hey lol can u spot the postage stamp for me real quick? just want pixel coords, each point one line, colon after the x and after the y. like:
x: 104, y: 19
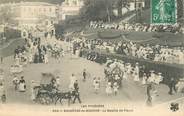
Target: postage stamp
x: 163, y: 12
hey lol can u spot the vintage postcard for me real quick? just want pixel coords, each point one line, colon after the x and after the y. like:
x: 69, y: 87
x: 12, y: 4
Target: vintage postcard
x: 91, y: 57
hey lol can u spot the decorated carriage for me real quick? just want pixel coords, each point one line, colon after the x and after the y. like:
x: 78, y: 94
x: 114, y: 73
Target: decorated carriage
x: 56, y: 50
x: 114, y: 74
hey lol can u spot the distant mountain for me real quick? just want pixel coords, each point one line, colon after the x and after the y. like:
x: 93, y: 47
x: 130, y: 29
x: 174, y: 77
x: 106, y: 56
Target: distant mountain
x: 49, y: 1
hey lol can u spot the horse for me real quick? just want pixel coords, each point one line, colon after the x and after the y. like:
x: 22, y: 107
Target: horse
x: 65, y: 95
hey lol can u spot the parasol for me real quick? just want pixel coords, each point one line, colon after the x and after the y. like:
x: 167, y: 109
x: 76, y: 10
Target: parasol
x: 46, y: 78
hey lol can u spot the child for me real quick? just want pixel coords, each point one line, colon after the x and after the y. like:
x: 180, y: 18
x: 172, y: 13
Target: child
x: 96, y: 86
x: 144, y: 79
x: 15, y: 83
x: 115, y: 87
x: 109, y: 89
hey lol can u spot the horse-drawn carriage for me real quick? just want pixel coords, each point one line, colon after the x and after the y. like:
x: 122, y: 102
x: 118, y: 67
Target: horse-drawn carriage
x: 45, y: 91
x: 48, y: 93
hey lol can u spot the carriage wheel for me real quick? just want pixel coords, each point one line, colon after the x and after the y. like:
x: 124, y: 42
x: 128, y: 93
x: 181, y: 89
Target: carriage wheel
x: 41, y: 100
x: 48, y: 100
x: 45, y: 99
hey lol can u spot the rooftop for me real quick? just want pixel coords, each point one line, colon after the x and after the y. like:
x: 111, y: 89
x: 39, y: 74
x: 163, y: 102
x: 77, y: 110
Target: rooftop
x: 35, y: 4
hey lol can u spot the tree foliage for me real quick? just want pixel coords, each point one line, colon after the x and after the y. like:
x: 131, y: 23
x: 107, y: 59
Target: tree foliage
x: 97, y: 10
x: 103, y: 9
x: 121, y: 4
x: 180, y: 8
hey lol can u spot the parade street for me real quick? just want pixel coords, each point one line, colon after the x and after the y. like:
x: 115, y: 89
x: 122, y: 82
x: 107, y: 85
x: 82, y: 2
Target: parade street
x: 131, y: 92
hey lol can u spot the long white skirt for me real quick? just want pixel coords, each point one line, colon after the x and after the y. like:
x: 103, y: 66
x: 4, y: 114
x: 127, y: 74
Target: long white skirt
x: 136, y: 77
x: 125, y: 76
x: 22, y: 87
x: 109, y: 90
x: 143, y: 81
x: 33, y: 94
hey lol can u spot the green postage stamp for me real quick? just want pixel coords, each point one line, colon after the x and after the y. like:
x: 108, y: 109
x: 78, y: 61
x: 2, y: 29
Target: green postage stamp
x: 163, y: 12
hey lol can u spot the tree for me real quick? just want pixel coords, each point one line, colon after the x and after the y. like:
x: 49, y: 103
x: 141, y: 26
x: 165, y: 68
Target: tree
x: 180, y: 8
x: 122, y: 4
x: 97, y: 10
x: 147, y: 4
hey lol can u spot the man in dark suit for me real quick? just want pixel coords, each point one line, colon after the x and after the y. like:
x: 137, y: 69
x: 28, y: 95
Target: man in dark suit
x: 84, y: 74
x: 172, y: 86
x: 149, y: 98
x: 76, y: 92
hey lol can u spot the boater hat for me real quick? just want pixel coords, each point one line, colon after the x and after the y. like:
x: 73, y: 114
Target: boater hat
x: 152, y: 71
x: 159, y: 73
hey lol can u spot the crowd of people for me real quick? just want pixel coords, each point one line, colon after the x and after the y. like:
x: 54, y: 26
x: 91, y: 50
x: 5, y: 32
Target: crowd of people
x: 116, y: 71
x: 177, y: 28
x: 2, y: 87
x: 157, y: 53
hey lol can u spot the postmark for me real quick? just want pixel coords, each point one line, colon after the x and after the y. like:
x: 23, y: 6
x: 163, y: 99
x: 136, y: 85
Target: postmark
x: 163, y: 12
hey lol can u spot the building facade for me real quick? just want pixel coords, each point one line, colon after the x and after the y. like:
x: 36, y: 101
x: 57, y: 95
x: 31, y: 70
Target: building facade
x: 70, y: 8
x: 32, y: 13
x: 32, y: 17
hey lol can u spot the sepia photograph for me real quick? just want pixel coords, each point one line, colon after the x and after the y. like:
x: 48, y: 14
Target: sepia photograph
x: 85, y: 57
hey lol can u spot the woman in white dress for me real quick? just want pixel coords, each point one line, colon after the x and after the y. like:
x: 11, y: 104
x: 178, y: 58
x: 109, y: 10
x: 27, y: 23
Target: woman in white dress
x: 77, y: 52
x: 33, y: 92
x: 22, y: 85
x: 109, y: 88
x: 115, y: 88
x: 125, y: 75
x: 151, y: 77
x: 136, y: 76
x: 158, y: 78
x: 30, y: 58
x: 46, y: 60
x: 144, y: 79
x: 17, y: 60
x: 96, y: 86
x: 72, y: 81
x: 129, y: 69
